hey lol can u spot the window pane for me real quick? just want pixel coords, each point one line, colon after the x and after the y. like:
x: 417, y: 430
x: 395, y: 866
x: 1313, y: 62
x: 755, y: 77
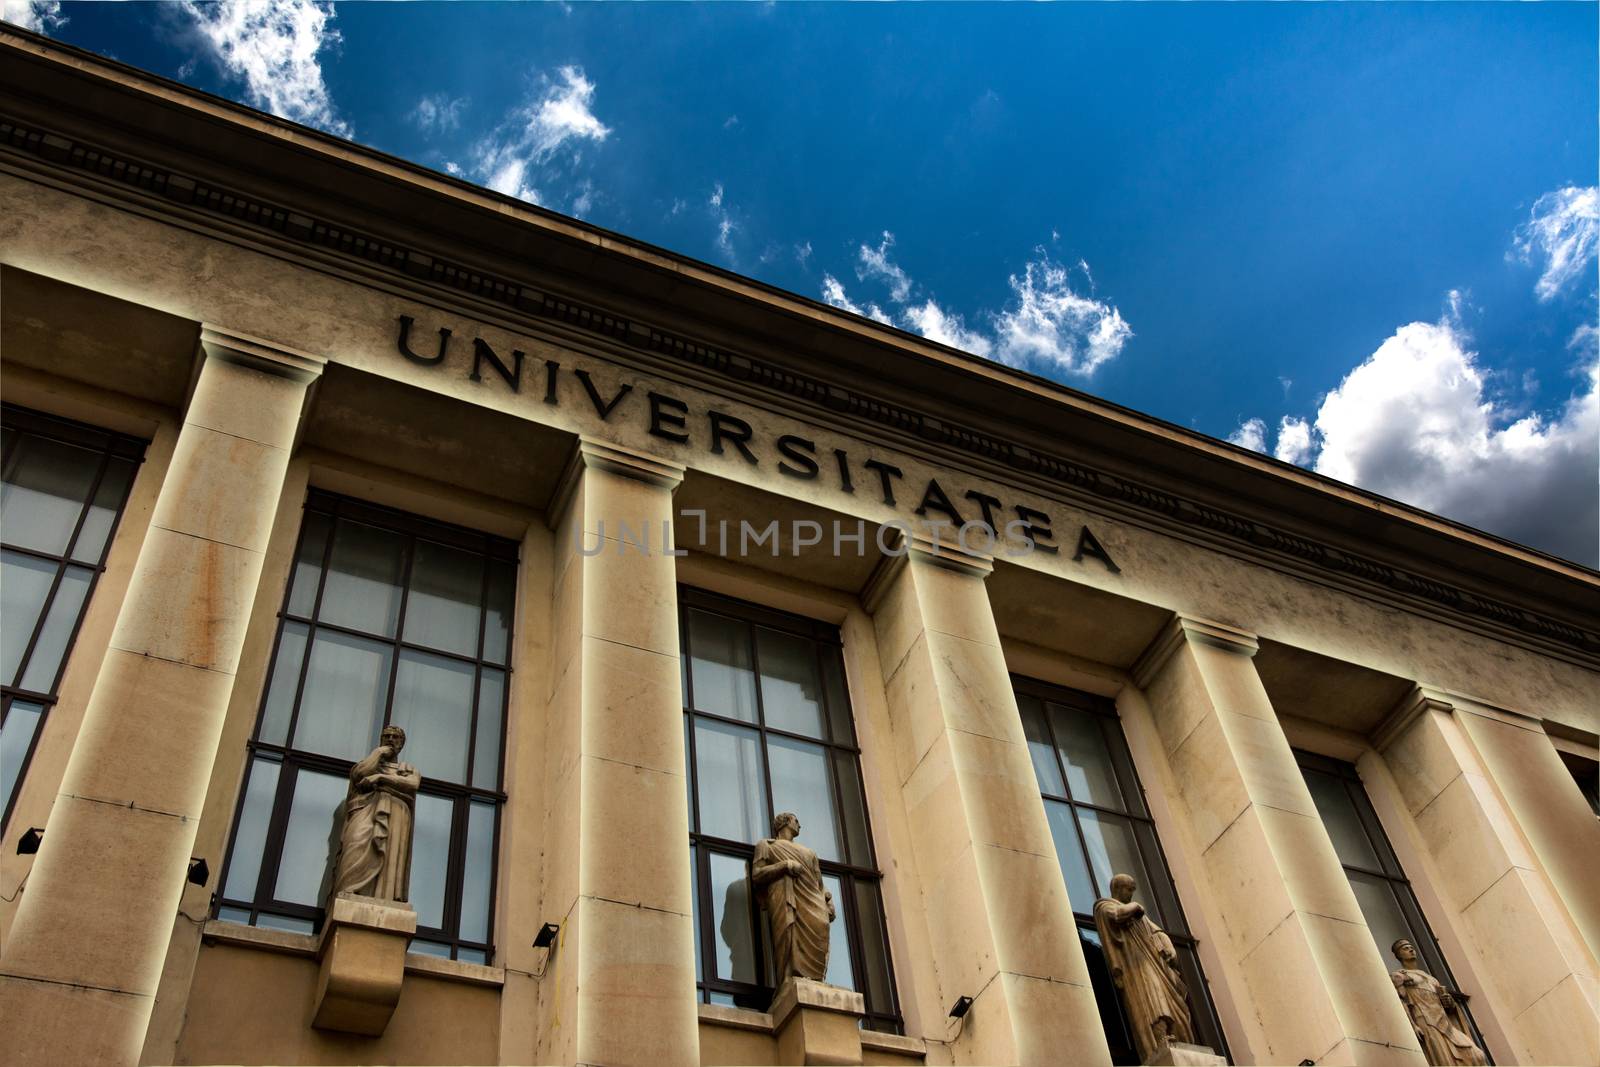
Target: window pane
x: 24, y: 584
x: 1107, y: 998
x: 430, y: 858
x: 446, y: 590
x: 285, y: 680
x: 312, y: 840
x: 346, y: 685
x: 791, y: 693
x: 694, y: 912
x: 91, y: 542
x: 45, y: 492
x: 491, y: 712
x: 363, y: 586
x: 40, y: 673
x: 1383, y: 915
x: 433, y: 705
x: 1160, y: 886
x: 840, y: 972
x: 800, y: 784
x: 22, y: 719
x: 429, y: 948
x: 234, y: 915
x: 1080, y: 891
x: 308, y: 563
x: 1040, y: 748
x: 855, y: 808
x: 731, y: 912
x: 497, y: 621
x: 875, y: 946
x: 1343, y: 823
x: 472, y: 955
x: 838, y: 697
x: 733, y: 790
x: 1109, y: 839
x: 250, y: 837
x: 284, y: 922
x: 1083, y: 750
x: 720, y: 667
x: 479, y: 875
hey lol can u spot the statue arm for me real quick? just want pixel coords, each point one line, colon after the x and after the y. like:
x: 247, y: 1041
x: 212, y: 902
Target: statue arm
x: 764, y: 869
x: 367, y: 767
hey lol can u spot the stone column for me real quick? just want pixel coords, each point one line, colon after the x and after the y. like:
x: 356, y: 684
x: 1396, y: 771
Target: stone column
x: 1459, y: 775
x: 999, y: 923
x: 1318, y: 986
x: 84, y: 958
x: 617, y: 855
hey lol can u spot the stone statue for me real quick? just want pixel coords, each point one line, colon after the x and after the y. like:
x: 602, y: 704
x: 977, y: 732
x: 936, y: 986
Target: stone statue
x: 1144, y: 967
x: 1436, y: 1016
x: 788, y: 878
x: 375, y: 845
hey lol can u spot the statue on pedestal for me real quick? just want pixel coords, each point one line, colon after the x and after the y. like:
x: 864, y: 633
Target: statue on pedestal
x: 1436, y: 1016
x: 1144, y: 967
x: 788, y: 878
x: 375, y: 845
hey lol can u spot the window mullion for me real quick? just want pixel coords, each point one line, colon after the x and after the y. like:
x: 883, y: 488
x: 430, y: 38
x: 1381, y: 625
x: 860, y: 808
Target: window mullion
x: 311, y: 624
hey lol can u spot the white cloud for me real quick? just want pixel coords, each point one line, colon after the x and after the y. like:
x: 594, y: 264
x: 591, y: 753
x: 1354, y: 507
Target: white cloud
x: 802, y: 253
x: 874, y: 263
x: 1562, y: 232
x: 273, y: 46
x: 937, y: 324
x: 833, y: 293
x: 1294, y: 441
x: 1414, y: 422
x: 1052, y: 327
x: 438, y: 113
x: 1252, y: 434
x: 40, y: 16
x: 453, y: 168
x: 722, y: 217
x: 716, y: 196
x: 556, y: 122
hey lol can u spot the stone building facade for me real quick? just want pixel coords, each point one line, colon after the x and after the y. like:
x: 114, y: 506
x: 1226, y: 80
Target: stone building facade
x: 302, y: 440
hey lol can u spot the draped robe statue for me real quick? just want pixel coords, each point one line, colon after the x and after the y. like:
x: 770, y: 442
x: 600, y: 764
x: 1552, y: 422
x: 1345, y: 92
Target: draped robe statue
x: 375, y: 845
x: 1436, y: 1015
x: 788, y: 878
x: 1143, y: 966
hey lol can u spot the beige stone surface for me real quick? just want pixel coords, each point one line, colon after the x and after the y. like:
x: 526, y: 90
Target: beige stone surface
x: 1181, y: 1054
x: 363, y: 964
x: 247, y: 403
x: 816, y: 1023
x: 635, y: 980
x: 214, y: 490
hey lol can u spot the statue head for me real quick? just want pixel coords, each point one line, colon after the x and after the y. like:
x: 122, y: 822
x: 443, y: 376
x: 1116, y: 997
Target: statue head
x: 394, y: 737
x: 1122, y: 887
x: 1405, y: 952
x: 786, y: 819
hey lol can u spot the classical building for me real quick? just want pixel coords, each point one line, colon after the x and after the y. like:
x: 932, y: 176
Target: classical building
x: 302, y: 442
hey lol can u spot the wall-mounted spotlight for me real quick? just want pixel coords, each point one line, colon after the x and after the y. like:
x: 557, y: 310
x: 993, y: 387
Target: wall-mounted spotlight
x: 199, y: 872
x: 961, y: 1006
x: 28, y: 843
x: 546, y: 935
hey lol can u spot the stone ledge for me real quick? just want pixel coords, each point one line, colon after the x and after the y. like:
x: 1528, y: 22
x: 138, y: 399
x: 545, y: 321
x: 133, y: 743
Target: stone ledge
x: 882, y: 1042
x: 736, y: 1018
x: 305, y: 945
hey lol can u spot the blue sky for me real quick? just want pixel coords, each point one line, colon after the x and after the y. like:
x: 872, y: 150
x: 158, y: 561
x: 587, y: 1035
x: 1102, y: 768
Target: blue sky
x: 1359, y: 237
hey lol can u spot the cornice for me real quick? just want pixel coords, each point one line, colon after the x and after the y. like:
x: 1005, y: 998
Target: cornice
x: 1251, y: 537
x: 268, y: 356
x: 1184, y: 629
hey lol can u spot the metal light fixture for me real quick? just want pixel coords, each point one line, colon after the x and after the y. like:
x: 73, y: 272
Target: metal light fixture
x: 199, y: 871
x: 961, y: 1006
x: 28, y: 843
x: 546, y: 935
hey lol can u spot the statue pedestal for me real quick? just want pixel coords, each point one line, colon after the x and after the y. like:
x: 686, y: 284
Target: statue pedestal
x: 1179, y: 1054
x: 363, y: 953
x: 817, y: 1023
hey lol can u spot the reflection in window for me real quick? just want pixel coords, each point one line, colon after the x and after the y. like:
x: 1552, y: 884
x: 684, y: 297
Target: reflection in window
x: 388, y: 619
x: 63, y: 489
x: 768, y: 729
x: 1382, y: 891
x: 1100, y: 827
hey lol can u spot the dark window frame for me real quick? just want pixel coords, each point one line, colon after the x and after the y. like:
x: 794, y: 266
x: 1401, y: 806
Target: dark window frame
x: 1422, y: 935
x: 291, y: 761
x: 827, y: 639
x: 111, y: 445
x: 1136, y: 809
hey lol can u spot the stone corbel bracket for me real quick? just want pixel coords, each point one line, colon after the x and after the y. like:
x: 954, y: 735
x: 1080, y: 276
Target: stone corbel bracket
x: 817, y: 1023
x: 363, y: 953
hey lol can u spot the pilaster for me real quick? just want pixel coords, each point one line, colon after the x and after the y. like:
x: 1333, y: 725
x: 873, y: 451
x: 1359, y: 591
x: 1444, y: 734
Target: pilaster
x: 1481, y: 789
x: 621, y: 986
x: 1000, y: 926
x: 1320, y: 989
x: 91, y: 932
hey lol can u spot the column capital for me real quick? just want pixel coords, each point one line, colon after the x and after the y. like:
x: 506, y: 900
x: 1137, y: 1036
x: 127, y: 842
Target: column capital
x: 220, y: 343
x: 592, y: 453
x: 1181, y: 629
x: 923, y: 549
x: 1418, y: 702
